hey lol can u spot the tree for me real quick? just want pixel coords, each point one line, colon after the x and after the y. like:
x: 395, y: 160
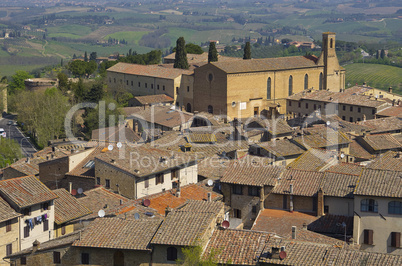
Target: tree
x: 10, y: 150
x: 193, y: 257
x: 63, y: 81
x: 17, y: 83
x: 247, y: 51
x: 212, y: 53
x: 181, y: 54
x: 382, y: 55
x: 93, y: 56
x: 95, y: 94
x: 86, y: 57
x: 192, y: 48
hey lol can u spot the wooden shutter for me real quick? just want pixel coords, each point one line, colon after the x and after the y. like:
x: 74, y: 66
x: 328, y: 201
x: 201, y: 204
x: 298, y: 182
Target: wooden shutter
x: 63, y: 230
x: 9, y: 249
x: 45, y: 225
x: 8, y: 226
x: 396, y: 239
x: 23, y: 261
x: 56, y: 257
x: 368, y: 237
x: 26, y: 231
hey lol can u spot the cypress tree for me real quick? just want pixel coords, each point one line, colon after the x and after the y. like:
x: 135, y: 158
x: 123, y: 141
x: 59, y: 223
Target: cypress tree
x: 247, y: 51
x: 212, y: 53
x: 181, y: 54
x: 86, y: 57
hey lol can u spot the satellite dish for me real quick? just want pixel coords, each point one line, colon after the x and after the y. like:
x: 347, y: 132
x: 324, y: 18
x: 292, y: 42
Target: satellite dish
x: 101, y: 213
x: 328, y: 123
x: 73, y: 192
x: 80, y: 190
x: 342, y: 155
x: 225, y: 224
x: 149, y: 214
x: 210, y: 183
x: 119, y: 145
x: 146, y: 202
x: 110, y: 147
x: 282, y: 255
x: 136, y: 216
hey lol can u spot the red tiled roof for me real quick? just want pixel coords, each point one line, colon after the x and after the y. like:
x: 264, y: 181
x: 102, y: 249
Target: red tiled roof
x: 391, y: 111
x: 339, y: 185
x: 380, y: 183
x: 305, y: 183
x: 151, y: 99
x: 6, y: 212
x: 116, y: 233
x: 25, y: 191
x: 390, y: 160
x: 346, y: 168
x: 252, y: 174
x: 67, y: 207
x: 158, y: 71
x: 356, y: 150
x: 239, y: 247
x: 381, y: 142
x: 160, y: 201
x: 314, y: 160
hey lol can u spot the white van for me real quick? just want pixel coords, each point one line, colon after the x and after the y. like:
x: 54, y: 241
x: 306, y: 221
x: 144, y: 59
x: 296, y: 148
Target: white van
x: 2, y: 132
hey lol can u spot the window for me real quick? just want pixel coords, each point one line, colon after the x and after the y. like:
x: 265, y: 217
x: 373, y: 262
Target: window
x: 157, y: 87
x: 63, y: 230
x: 174, y: 174
x: 373, y: 111
x: 238, y: 190
x: 188, y: 88
x: 127, y: 82
x: 358, y: 119
x: 269, y: 88
x: 344, y: 107
x: 326, y: 209
x: 110, y: 80
x: 152, y: 86
x: 320, y: 82
x: 369, y: 205
x: 45, y: 206
x: 45, y: 225
x: 351, y: 108
x: 210, y: 77
x: 171, y: 253
x: 9, y: 249
x: 132, y: 83
x: 107, y: 183
x: 290, y: 85
x: 210, y: 109
x: 395, y: 207
x: 396, y: 239
x: 331, y: 43
x: 26, y: 231
x: 359, y: 110
x: 56, y: 257
x: 299, y: 104
x: 188, y: 107
x: 306, y: 105
x: 163, y: 87
x: 8, y: 226
x: 368, y: 237
x: 98, y: 181
x: 237, y: 213
x: 343, y: 117
x: 290, y: 103
x: 253, y: 191
x: 159, y: 179
x: 306, y: 82
x: 139, y: 84
x: 23, y: 260
x: 315, y: 107
x: 27, y: 211
x: 350, y: 119
x: 177, y: 90
x: 84, y: 258
x: 146, y: 85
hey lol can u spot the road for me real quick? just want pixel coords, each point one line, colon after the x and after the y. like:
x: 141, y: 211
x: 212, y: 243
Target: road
x: 15, y: 133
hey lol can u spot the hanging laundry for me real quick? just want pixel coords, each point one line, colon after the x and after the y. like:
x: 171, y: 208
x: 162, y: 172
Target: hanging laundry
x: 31, y: 224
x: 39, y: 219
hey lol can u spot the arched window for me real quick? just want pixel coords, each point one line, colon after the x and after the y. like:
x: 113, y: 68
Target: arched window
x: 369, y: 205
x: 306, y: 82
x: 269, y: 88
x: 210, y: 109
x: 395, y: 207
x: 290, y: 85
x: 188, y: 107
x: 320, y: 82
x: 171, y: 253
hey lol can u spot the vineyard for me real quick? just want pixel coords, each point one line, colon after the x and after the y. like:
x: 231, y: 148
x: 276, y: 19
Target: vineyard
x: 375, y: 75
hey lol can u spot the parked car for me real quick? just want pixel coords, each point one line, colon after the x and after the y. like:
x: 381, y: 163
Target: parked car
x: 2, y: 132
x: 10, y: 122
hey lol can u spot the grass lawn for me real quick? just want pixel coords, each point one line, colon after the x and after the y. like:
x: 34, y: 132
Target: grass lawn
x: 377, y: 76
x: 132, y: 37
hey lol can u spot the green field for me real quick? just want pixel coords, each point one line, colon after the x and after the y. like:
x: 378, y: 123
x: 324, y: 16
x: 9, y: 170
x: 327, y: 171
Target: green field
x: 377, y: 76
x: 70, y: 30
x: 132, y: 37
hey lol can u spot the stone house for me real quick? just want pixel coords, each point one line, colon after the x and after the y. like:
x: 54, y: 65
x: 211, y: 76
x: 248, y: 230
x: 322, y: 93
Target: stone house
x: 9, y: 231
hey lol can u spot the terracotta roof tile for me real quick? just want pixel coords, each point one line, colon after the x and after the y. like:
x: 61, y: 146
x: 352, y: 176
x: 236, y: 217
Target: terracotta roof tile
x: 356, y: 150
x: 390, y: 160
x: 116, y: 233
x: 239, y: 247
x: 6, y: 212
x: 183, y: 228
x: 346, y: 168
x: 314, y: 160
x: 380, y: 183
x: 380, y: 142
x: 158, y: 71
x: 382, y: 125
x: 305, y: 183
x: 252, y: 174
x: 25, y: 191
x: 350, y: 257
x: 201, y: 138
x: 152, y: 99
x: 115, y: 134
x: 282, y: 148
x: 169, y: 198
x: 202, y: 206
x: 87, y: 166
x: 331, y: 224
x: 391, y: 111
x: 339, y: 185
x: 67, y: 207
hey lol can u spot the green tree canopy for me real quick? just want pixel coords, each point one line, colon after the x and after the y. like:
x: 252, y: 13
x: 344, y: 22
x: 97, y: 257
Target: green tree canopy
x: 96, y: 93
x: 17, y: 83
x: 247, y: 51
x: 212, y: 53
x: 192, y: 48
x: 63, y: 81
x: 181, y: 54
x: 81, y: 68
x: 9, y: 150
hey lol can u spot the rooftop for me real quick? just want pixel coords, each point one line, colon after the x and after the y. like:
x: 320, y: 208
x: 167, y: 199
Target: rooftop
x: 314, y: 160
x: 390, y: 160
x: 339, y: 185
x: 116, y: 233
x: 251, y: 174
x: 382, y: 125
x: 25, y: 191
x: 305, y: 183
x: 380, y: 183
x: 115, y: 134
x: 6, y: 212
x: 281, y: 148
x: 67, y: 207
x: 346, y: 168
x: 380, y: 142
x: 153, y: 99
x: 158, y: 71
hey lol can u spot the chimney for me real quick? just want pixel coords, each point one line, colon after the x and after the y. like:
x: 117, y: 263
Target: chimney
x: 390, y: 89
x: 209, y: 196
x: 320, y: 203
x: 275, y: 253
x: 294, y: 229
x: 28, y: 160
x: 70, y: 186
x: 35, y: 246
x: 304, y: 226
x: 167, y: 211
x: 393, y: 102
x: 178, y: 193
